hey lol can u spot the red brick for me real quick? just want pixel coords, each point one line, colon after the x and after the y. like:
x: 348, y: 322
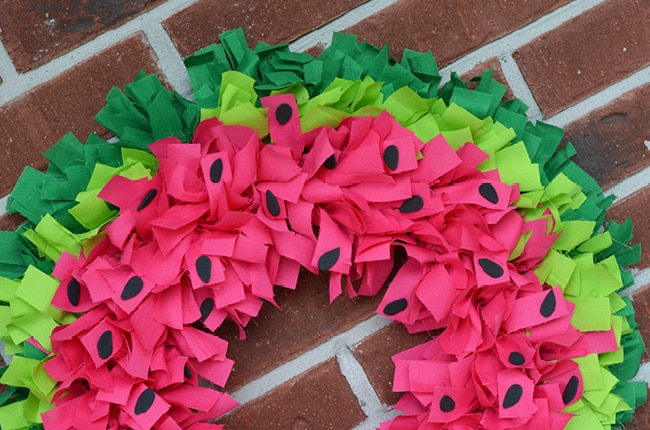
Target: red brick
x: 587, y: 54
x: 32, y: 123
x: 10, y: 221
x: 316, y: 50
x: 272, y: 21
x: 317, y: 399
x: 641, y: 301
x: 610, y: 141
x: 34, y: 32
x: 636, y: 207
x: 497, y: 74
x: 375, y: 354
x: 641, y: 419
x: 446, y: 28
x: 306, y: 320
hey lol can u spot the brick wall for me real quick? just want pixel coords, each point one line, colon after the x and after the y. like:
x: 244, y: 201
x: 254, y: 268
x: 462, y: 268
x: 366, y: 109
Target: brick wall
x: 582, y: 65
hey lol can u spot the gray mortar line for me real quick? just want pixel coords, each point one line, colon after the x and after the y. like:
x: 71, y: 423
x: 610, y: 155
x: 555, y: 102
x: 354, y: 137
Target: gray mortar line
x: 641, y: 282
x: 22, y: 83
x: 630, y: 185
x: 601, y: 98
x: 8, y: 71
x: 374, y: 420
x: 309, y: 359
x: 358, y: 381
x: 644, y: 374
x: 509, y: 43
x: 169, y: 60
x: 519, y: 86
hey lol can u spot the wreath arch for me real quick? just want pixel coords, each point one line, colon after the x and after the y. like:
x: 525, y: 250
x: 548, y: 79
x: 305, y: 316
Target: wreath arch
x: 285, y: 161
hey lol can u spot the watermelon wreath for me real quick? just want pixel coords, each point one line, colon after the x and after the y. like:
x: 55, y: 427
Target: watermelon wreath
x: 135, y: 251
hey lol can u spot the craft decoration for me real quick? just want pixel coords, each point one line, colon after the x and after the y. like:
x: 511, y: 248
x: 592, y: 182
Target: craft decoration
x: 134, y: 252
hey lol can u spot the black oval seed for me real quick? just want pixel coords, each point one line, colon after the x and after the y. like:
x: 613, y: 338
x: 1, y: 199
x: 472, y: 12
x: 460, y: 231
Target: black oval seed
x: 570, y: 390
x: 216, y: 170
x: 395, y: 307
x: 329, y: 259
x: 132, y: 288
x: 145, y: 400
x: 447, y: 404
x: 204, y: 268
x: 206, y: 307
x: 330, y: 163
x: 516, y: 358
x: 492, y: 269
x: 488, y: 192
x: 513, y: 395
x: 105, y: 345
x: 413, y: 204
x: 148, y: 198
x: 74, y: 292
x: 187, y: 372
x: 283, y: 113
x: 391, y: 157
x: 548, y: 305
x: 272, y: 203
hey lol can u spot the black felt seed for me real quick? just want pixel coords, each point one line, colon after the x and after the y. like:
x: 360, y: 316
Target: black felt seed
x: 105, y: 345
x: 148, y: 198
x: 548, y: 305
x: 206, y: 307
x: 447, y: 404
x: 513, y: 395
x: 395, y: 307
x: 272, y: 203
x: 74, y: 292
x: 413, y: 204
x: 488, y: 192
x: 329, y: 259
x: 330, y: 163
x: 516, y: 358
x: 145, y: 400
x: 216, y: 170
x: 204, y: 268
x: 132, y: 288
x: 187, y: 372
x: 283, y: 113
x: 570, y: 390
x: 492, y: 269
x: 391, y: 157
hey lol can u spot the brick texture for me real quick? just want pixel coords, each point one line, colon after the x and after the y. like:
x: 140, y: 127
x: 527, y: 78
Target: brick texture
x: 497, y: 73
x: 37, y: 31
x: 586, y: 54
x: 598, y: 48
x: 35, y: 121
x: 641, y: 418
x: 318, y: 399
x: 375, y: 353
x: 305, y: 320
x: 636, y: 206
x: 446, y: 28
x: 10, y: 221
x: 611, y: 141
x: 272, y: 21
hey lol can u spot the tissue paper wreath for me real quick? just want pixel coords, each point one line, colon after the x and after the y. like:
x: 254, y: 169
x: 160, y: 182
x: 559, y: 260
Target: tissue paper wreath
x: 133, y: 252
